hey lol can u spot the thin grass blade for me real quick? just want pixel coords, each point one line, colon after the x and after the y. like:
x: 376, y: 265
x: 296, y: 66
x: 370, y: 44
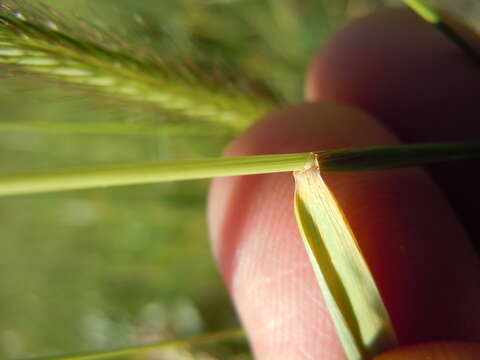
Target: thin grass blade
x: 355, y: 304
x: 198, y: 340
x: 138, y: 127
x: 435, y: 18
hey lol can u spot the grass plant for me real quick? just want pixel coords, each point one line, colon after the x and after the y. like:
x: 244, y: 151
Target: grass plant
x: 197, y: 96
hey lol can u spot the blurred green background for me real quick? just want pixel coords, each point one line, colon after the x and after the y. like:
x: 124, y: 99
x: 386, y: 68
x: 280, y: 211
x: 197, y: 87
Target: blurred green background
x: 104, y: 268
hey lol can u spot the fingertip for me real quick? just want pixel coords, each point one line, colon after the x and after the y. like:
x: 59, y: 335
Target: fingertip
x: 418, y: 253
x: 403, y: 71
x: 417, y: 83
x: 302, y: 128
x: 256, y: 240
x: 370, y: 50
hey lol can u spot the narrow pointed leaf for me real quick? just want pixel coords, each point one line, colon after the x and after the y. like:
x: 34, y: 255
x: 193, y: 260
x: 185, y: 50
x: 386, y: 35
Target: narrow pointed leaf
x: 198, y: 340
x: 432, y: 16
x: 354, y: 302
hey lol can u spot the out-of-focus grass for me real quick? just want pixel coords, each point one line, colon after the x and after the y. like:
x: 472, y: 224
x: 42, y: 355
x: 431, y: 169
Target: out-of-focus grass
x: 104, y: 268
x: 112, y: 267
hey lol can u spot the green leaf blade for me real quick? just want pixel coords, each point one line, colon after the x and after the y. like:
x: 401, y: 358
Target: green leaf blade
x: 109, y: 354
x: 355, y: 304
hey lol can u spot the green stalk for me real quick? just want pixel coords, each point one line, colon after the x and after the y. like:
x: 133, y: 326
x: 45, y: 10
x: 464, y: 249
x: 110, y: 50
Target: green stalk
x: 434, y: 18
x: 202, y: 339
x: 424, y: 11
x: 60, y: 180
x: 341, y: 160
x: 391, y: 157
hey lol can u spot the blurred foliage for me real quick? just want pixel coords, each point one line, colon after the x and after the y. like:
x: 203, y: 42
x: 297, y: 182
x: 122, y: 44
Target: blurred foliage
x: 103, y: 268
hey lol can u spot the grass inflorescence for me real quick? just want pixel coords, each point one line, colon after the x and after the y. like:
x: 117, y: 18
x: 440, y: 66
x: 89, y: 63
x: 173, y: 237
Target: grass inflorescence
x: 41, y: 47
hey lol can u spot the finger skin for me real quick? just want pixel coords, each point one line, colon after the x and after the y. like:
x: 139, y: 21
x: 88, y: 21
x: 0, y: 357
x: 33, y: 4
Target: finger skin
x: 435, y: 351
x: 417, y: 251
x: 403, y: 71
x: 417, y: 83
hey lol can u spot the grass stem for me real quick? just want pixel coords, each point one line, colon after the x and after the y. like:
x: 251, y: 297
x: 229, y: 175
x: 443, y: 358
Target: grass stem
x: 75, y: 179
x: 340, y: 160
x: 392, y: 157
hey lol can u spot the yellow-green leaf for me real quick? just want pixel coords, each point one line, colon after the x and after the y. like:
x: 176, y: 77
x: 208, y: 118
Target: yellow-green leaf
x: 354, y: 302
x: 135, y: 350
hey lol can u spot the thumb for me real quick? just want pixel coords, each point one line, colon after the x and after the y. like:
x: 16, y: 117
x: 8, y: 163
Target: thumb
x: 435, y: 351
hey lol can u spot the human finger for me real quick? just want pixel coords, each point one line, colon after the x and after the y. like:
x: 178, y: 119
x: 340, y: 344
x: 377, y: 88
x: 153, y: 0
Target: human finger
x: 415, y: 81
x: 412, y: 241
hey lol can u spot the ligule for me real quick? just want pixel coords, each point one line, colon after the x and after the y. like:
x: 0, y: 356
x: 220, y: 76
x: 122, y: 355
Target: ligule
x: 353, y: 300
